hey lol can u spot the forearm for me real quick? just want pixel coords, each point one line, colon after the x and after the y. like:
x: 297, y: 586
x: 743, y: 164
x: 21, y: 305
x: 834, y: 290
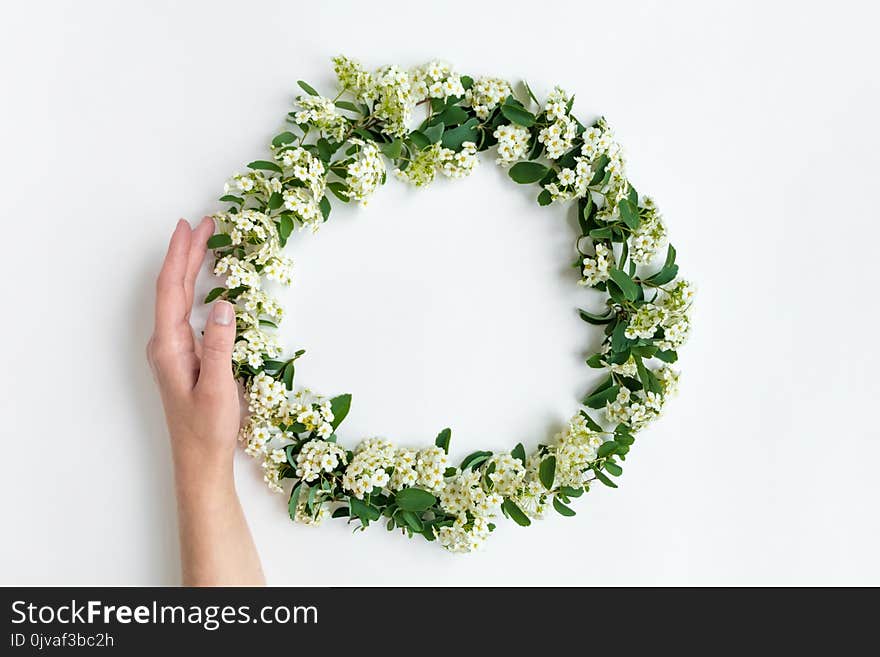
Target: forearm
x: 216, y: 547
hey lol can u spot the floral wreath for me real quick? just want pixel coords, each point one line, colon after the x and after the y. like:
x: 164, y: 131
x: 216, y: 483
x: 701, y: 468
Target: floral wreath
x: 337, y: 145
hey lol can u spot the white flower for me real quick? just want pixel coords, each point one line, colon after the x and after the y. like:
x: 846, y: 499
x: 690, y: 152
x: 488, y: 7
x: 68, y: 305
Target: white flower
x: 513, y: 142
x: 365, y: 173
x: 321, y: 113
x: 485, y: 95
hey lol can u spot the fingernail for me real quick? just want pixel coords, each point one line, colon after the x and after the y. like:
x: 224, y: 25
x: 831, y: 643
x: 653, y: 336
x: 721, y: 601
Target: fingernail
x: 222, y: 313
x: 206, y: 220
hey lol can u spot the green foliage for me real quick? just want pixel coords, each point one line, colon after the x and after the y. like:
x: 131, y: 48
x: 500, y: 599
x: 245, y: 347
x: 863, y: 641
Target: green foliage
x: 219, y: 241
x: 527, y: 172
x: 516, y: 514
x: 442, y: 440
x: 607, y: 214
x: 547, y: 471
x: 340, y: 406
x: 307, y: 88
x: 414, y: 499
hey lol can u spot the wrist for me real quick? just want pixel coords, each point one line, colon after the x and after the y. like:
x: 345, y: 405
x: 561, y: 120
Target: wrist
x: 200, y: 471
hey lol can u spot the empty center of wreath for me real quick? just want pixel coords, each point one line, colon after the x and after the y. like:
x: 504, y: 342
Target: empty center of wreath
x: 454, y: 300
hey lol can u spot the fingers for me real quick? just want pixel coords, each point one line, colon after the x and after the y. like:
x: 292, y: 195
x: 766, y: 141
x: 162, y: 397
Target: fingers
x: 216, y: 368
x: 171, y: 307
x: 196, y: 255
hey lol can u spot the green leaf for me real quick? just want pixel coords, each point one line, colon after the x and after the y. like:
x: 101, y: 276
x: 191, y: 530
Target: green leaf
x: 629, y: 213
x: 219, y: 240
x: 351, y: 107
x: 414, y: 499
x: 294, y: 500
x: 454, y: 138
x: 362, y: 510
x: 629, y: 288
x: 531, y: 94
x: 595, y: 361
x: 434, y: 134
x: 527, y: 172
x: 324, y: 204
x: 606, y: 448
x: 514, y: 512
x: 339, y: 189
x: 285, y: 228
x: 442, y: 440
x: 413, y: 521
x: 392, y: 149
x: 307, y: 88
x: 451, y: 115
x: 213, y: 294
x: 619, y: 341
x: 605, y: 480
x: 667, y: 356
x: 474, y: 460
x: 275, y: 201
x: 340, y: 406
x: 592, y: 318
x: 545, y: 198
x: 601, y: 163
x: 663, y: 276
x: 287, y: 376
x: 591, y: 422
x: 325, y: 149
x: 598, y: 399
x: 613, y: 468
x: 310, y: 502
x: 670, y: 256
x: 568, y: 491
x: 519, y: 453
x: 419, y: 140
x: 229, y: 198
x: 514, y: 111
x: 562, y: 509
x: 265, y: 166
x: 547, y: 471
x: 286, y: 137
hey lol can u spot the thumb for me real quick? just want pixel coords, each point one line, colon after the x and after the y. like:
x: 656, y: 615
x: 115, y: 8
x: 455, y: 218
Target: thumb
x: 217, y: 344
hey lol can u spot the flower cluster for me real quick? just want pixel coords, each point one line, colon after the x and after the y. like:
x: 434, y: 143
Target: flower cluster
x: 513, y: 142
x: 649, y: 237
x: 293, y: 432
x: 635, y: 409
x: 436, y: 80
x: 352, y: 77
x: 394, y: 100
x: 321, y: 113
x: 559, y: 135
x: 458, y: 164
x: 364, y: 175
x: 424, y: 468
x: 304, y: 167
x: 575, y: 450
x: 669, y: 312
x: 318, y: 456
x: 596, y: 270
x: 485, y: 95
x: 370, y: 467
x: 423, y: 167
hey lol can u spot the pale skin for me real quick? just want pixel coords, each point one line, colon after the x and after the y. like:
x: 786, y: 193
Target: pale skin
x: 201, y: 400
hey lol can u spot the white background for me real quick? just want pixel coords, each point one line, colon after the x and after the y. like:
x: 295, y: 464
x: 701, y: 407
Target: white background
x: 754, y: 125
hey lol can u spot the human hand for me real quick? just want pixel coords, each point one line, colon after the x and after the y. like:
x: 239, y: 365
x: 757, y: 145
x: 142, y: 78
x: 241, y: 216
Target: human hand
x: 201, y: 403
x: 195, y: 378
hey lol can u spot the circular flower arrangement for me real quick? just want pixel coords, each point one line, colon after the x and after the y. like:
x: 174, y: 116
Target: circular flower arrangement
x: 339, y: 146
